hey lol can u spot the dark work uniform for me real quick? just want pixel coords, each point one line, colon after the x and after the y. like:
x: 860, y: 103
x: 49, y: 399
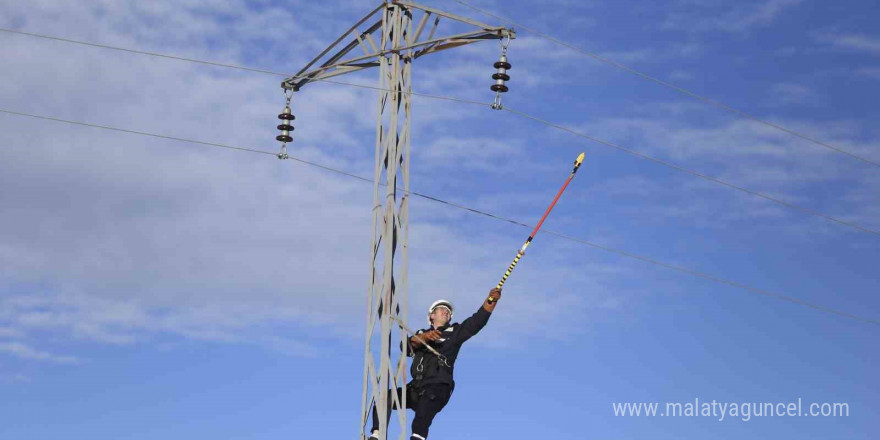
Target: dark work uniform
x: 432, y: 382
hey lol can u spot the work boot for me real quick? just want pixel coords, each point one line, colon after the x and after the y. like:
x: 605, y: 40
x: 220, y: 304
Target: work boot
x: 374, y: 435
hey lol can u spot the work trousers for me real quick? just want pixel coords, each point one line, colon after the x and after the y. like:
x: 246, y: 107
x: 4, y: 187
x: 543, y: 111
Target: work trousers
x: 426, y: 401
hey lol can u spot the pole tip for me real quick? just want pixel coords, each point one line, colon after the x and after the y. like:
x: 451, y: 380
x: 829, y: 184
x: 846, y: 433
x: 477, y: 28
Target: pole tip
x: 580, y: 159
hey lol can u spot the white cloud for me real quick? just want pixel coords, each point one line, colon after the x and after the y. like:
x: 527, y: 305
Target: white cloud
x: 681, y: 75
x: 868, y: 198
x: 791, y: 93
x: 852, y: 42
x: 478, y: 153
x: 23, y: 351
x: 748, y: 155
x: 9, y: 332
x: 715, y: 16
x: 870, y: 72
x: 14, y: 378
x: 655, y: 54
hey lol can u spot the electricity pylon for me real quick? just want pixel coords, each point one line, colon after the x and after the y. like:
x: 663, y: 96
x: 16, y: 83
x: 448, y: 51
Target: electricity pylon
x: 388, y: 41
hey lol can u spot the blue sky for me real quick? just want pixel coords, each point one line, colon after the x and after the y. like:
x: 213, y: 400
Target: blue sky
x: 151, y: 288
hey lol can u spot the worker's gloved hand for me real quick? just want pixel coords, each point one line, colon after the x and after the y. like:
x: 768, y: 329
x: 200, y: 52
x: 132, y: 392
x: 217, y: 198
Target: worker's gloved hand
x: 430, y: 336
x: 495, y: 294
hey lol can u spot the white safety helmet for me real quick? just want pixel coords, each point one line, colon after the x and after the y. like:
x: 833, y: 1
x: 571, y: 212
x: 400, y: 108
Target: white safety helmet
x: 441, y: 303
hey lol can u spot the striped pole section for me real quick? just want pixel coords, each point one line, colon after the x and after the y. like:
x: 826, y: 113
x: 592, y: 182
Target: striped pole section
x: 522, y: 251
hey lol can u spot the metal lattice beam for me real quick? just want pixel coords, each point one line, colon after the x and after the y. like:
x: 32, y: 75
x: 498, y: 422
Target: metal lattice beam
x: 390, y: 41
x: 388, y: 294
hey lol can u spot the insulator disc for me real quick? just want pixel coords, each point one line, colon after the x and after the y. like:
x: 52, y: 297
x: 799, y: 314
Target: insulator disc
x: 502, y: 65
x: 501, y: 76
x: 283, y: 138
x: 286, y: 116
x: 499, y: 88
x: 285, y: 127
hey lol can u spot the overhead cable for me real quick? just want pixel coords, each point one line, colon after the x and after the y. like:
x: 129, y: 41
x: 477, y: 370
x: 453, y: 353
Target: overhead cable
x: 472, y: 102
x: 229, y: 66
x: 627, y: 254
x: 803, y: 209
x: 682, y: 90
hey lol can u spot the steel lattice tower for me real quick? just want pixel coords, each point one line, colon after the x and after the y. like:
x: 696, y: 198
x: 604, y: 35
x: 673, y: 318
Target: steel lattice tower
x: 399, y: 44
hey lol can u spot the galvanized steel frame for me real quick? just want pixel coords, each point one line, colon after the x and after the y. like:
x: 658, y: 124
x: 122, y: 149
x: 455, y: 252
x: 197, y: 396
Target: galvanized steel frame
x: 398, y: 45
x: 390, y: 224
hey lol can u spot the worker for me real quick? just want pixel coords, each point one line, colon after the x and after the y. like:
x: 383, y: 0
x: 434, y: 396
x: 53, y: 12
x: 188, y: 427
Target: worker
x: 432, y: 383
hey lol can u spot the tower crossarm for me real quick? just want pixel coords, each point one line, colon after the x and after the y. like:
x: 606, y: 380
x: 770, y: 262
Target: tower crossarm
x: 415, y: 45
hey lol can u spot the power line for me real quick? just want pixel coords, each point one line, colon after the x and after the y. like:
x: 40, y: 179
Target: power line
x: 658, y: 263
x: 695, y: 173
x: 141, y: 52
x: 142, y: 133
x: 232, y: 66
x: 466, y: 101
x: 682, y: 90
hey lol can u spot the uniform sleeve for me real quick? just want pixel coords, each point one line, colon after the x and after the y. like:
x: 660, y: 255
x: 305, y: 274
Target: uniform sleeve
x: 473, y: 325
x: 405, y: 346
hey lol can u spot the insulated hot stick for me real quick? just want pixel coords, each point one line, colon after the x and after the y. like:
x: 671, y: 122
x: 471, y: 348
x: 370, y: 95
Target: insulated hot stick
x: 522, y: 251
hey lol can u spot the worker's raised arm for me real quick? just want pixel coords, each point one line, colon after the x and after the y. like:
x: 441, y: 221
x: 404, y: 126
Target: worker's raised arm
x: 477, y: 321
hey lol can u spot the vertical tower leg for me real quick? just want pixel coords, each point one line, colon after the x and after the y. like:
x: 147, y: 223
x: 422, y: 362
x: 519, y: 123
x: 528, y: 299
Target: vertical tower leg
x: 387, y: 295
